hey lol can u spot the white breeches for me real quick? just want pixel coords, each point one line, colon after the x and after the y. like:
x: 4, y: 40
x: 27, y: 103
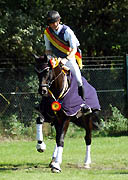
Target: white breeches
x: 72, y: 64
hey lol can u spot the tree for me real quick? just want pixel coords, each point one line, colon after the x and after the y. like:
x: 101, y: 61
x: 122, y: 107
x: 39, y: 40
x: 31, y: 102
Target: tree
x: 101, y: 27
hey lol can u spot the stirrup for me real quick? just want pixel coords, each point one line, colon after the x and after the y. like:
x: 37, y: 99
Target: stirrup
x: 86, y: 110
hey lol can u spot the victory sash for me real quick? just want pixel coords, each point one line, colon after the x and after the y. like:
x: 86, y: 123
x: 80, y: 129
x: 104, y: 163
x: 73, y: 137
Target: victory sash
x: 62, y: 45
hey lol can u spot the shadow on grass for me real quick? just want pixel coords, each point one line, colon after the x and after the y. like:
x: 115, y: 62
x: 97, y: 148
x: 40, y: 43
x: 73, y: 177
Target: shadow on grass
x: 30, y: 167
x: 106, y: 170
x: 109, y: 134
x: 119, y: 134
x: 16, y: 167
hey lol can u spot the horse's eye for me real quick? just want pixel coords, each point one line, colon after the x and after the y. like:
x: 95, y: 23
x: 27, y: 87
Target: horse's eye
x: 45, y: 73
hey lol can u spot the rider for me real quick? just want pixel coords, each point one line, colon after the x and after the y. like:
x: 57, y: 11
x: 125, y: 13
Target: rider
x: 61, y: 41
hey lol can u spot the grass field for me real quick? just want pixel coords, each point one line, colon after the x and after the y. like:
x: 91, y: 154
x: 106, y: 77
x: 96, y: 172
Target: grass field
x: 19, y: 160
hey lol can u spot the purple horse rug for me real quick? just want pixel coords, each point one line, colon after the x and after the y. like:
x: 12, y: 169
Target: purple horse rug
x: 72, y: 102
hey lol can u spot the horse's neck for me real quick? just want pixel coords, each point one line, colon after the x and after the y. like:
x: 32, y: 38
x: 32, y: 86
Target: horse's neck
x: 57, y: 71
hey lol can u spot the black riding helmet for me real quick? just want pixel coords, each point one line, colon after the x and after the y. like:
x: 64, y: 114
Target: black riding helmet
x: 53, y: 16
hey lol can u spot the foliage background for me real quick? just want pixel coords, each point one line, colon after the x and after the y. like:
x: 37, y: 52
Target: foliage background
x: 101, y: 27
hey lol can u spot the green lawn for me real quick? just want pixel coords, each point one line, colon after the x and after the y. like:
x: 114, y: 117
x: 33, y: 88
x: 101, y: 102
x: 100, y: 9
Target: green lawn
x: 19, y: 160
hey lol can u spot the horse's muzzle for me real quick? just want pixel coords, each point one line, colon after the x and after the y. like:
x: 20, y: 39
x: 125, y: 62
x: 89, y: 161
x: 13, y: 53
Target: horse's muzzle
x: 43, y: 90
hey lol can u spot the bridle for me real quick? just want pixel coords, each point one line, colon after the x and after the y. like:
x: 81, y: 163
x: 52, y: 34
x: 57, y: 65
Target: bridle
x: 48, y: 85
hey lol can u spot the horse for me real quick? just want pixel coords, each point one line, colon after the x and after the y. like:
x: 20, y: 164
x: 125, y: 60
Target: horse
x: 61, y: 105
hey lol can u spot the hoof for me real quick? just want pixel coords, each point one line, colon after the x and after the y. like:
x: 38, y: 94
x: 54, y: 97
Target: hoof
x: 87, y: 166
x: 54, y: 170
x: 41, y: 147
x: 55, y: 167
x: 52, y: 163
x: 40, y: 150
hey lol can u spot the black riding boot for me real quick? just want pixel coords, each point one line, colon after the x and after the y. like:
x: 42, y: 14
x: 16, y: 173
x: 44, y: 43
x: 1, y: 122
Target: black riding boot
x: 81, y: 92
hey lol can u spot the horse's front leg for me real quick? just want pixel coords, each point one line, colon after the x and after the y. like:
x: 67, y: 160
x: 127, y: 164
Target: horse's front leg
x: 87, y: 161
x: 61, y: 129
x: 39, y: 135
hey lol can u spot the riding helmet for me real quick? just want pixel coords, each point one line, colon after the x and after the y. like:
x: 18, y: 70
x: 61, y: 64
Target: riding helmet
x: 53, y: 16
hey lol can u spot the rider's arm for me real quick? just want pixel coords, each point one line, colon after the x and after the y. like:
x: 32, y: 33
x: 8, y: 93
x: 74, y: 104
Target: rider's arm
x: 48, y: 50
x: 72, y: 53
x: 73, y: 42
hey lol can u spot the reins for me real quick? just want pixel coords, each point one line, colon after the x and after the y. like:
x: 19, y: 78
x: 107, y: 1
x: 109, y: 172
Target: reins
x: 64, y: 90
x: 55, y: 78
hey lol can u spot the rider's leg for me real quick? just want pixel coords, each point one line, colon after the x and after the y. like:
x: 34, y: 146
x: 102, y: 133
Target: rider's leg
x: 72, y: 64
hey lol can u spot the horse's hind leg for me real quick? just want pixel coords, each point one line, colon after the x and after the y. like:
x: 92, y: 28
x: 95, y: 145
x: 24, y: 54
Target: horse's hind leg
x: 87, y: 161
x: 39, y: 135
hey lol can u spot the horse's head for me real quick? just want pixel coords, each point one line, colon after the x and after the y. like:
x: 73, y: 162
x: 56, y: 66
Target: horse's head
x: 44, y: 68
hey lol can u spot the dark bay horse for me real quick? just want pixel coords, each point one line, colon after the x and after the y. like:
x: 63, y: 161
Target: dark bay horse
x: 61, y: 105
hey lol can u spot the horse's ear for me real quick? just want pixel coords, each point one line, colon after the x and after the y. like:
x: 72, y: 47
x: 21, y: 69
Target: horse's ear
x: 39, y: 59
x: 45, y: 58
x: 36, y: 57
